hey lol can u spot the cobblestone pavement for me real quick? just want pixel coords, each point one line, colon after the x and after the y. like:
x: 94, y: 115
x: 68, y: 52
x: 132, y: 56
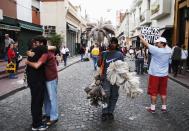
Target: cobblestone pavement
x: 77, y: 115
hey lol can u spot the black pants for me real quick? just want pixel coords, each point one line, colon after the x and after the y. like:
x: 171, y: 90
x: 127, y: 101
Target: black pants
x: 175, y: 65
x: 37, y: 97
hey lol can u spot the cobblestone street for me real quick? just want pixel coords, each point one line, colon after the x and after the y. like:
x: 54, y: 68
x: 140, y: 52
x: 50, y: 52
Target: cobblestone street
x: 76, y: 114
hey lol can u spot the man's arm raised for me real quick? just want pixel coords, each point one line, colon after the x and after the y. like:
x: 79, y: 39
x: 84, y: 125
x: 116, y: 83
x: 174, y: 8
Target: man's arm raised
x: 144, y: 42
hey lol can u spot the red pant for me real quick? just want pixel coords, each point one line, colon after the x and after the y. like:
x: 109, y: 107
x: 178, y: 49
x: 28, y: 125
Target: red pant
x: 157, y: 85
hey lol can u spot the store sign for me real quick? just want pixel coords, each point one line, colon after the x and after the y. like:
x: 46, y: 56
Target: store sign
x: 150, y: 33
x: 1, y: 14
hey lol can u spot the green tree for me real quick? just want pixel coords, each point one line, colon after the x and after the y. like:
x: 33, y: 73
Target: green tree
x: 56, y: 40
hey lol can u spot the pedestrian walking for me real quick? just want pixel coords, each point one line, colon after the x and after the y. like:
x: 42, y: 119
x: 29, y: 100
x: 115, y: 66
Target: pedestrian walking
x: 158, y: 72
x: 65, y: 53
x: 36, y: 82
x: 82, y: 52
x: 95, y: 55
x: 140, y: 61
x: 176, y: 59
x: 184, y: 57
x: 111, y: 55
x: 50, y: 96
x: 131, y: 52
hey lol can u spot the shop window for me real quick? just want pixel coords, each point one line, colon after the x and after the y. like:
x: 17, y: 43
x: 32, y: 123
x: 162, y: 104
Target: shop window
x: 50, y: 30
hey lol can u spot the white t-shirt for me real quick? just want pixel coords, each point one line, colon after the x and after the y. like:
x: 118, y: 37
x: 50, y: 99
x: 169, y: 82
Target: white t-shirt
x: 159, y: 60
x: 184, y: 54
x: 64, y: 50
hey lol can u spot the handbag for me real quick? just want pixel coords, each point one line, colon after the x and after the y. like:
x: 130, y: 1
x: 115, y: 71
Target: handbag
x: 19, y: 57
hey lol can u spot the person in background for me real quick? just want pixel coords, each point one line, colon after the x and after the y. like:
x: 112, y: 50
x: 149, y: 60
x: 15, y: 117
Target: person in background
x: 91, y: 47
x: 11, y: 58
x: 158, y: 72
x: 18, y: 56
x: 184, y: 57
x: 176, y: 59
x: 82, y: 51
x: 65, y: 54
x: 8, y: 41
x: 95, y: 54
x: 140, y: 59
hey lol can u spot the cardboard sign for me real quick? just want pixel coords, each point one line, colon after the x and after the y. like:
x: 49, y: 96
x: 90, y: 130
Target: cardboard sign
x: 150, y: 33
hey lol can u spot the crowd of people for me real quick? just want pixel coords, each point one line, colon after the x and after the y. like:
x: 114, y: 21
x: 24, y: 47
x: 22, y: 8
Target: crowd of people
x: 42, y: 76
x: 12, y: 55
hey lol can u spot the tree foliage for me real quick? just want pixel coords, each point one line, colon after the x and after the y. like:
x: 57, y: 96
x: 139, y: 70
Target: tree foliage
x: 56, y: 40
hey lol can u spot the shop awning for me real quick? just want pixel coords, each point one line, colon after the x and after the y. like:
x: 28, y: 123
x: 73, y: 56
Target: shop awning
x: 72, y: 28
x: 9, y: 27
x: 31, y: 27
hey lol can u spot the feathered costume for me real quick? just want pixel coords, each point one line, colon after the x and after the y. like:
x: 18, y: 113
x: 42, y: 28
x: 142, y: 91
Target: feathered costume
x: 117, y: 73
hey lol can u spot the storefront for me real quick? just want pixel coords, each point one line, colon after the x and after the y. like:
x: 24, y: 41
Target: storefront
x: 181, y: 23
x: 71, y: 39
x: 28, y: 31
x: 8, y: 26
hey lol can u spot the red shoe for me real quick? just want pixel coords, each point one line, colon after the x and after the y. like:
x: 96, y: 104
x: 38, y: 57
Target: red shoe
x: 150, y: 110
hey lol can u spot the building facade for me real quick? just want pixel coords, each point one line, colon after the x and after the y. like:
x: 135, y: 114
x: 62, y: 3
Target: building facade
x: 181, y: 23
x: 18, y: 22
x: 153, y: 13
x: 63, y: 18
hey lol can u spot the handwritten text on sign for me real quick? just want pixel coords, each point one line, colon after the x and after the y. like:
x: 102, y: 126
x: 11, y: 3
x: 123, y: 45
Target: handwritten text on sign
x: 150, y: 33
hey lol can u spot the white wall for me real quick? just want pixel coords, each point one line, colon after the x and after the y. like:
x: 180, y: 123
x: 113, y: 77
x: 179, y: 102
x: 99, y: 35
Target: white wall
x: 167, y: 20
x: 24, y: 10
x: 36, y: 4
x: 54, y: 14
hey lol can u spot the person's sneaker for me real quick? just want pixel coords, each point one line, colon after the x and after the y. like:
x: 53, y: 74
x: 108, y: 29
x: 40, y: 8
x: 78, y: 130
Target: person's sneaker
x: 104, y: 117
x: 45, y: 118
x: 150, y: 110
x: 50, y: 123
x: 164, y: 110
x: 40, y: 128
x: 111, y: 116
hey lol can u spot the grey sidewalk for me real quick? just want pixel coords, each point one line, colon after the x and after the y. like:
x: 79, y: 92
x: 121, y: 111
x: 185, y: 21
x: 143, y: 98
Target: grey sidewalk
x: 11, y: 86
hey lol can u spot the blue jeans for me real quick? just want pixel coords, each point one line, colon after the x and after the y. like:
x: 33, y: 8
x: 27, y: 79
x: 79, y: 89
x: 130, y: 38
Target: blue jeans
x: 82, y: 57
x: 140, y: 66
x: 95, y: 59
x: 65, y: 59
x: 50, y: 99
x: 112, y: 92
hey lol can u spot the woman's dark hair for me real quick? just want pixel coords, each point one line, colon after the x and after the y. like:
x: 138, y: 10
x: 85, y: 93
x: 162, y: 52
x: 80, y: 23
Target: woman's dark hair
x: 30, y: 44
x: 114, y: 40
x: 41, y: 39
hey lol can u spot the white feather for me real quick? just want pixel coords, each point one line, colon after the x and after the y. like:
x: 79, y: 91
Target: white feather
x: 118, y: 73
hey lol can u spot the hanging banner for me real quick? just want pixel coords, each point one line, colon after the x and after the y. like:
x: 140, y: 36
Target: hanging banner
x: 150, y: 33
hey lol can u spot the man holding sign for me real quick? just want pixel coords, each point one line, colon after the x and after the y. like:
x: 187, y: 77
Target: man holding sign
x: 158, y: 71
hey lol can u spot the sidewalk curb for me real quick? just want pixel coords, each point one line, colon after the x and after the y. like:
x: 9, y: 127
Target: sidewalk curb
x: 25, y: 87
x: 6, y: 75
x: 177, y: 81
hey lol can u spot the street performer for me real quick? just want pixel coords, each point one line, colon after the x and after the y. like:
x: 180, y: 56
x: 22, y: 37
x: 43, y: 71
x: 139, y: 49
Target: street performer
x: 111, y: 55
